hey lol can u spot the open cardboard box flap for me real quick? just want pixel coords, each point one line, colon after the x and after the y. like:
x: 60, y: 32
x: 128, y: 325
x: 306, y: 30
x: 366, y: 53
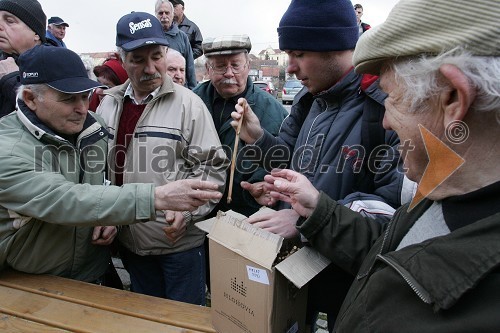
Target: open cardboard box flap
x: 230, y: 230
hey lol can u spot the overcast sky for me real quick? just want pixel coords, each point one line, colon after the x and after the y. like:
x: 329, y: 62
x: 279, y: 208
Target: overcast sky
x: 93, y: 22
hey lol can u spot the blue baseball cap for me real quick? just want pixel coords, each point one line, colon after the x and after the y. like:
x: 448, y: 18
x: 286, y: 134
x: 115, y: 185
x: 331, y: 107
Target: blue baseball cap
x: 57, y: 67
x: 139, y: 29
x: 56, y: 20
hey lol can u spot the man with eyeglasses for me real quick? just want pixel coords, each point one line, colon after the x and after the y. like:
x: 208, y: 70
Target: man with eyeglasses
x: 228, y: 65
x: 57, y: 211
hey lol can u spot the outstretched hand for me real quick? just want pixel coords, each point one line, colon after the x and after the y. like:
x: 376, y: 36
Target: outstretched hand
x: 185, y: 194
x: 294, y: 188
x: 250, y: 130
x: 260, y: 193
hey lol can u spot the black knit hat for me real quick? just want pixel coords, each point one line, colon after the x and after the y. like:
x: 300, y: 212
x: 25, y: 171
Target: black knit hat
x: 28, y: 11
x: 319, y: 26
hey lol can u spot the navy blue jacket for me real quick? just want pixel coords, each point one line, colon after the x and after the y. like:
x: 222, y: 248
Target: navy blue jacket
x: 323, y: 139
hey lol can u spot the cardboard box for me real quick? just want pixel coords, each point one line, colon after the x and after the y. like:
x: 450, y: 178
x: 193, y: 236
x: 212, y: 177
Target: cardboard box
x: 248, y: 293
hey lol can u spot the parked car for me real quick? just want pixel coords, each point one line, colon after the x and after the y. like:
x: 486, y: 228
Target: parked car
x: 266, y: 86
x: 290, y: 89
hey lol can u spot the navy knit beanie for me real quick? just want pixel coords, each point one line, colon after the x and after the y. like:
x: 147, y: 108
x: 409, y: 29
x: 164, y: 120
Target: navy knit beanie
x: 28, y: 11
x: 319, y: 26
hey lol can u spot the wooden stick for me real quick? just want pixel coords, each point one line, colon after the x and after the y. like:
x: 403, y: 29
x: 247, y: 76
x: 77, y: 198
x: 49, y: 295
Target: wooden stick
x: 235, y: 152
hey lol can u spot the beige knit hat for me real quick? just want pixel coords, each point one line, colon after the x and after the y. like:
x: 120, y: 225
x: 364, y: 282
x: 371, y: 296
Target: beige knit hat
x: 416, y: 27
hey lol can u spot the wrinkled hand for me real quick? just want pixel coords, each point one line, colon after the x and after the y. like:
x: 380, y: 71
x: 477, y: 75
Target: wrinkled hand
x: 104, y: 235
x: 185, y: 194
x: 281, y: 222
x: 294, y: 188
x: 177, y: 227
x: 259, y: 192
x: 250, y: 128
x: 7, y: 66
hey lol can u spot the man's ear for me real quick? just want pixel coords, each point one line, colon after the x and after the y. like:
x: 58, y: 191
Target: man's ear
x: 29, y: 99
x: 456, y: 101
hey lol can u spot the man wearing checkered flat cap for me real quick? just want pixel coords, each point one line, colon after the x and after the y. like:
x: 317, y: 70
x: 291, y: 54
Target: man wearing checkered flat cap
x: 435, y: 267
x: 228, y: 66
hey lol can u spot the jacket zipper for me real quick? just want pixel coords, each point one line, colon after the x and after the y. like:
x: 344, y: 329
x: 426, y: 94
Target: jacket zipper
x: 309, y: 133
x: 414, y: 285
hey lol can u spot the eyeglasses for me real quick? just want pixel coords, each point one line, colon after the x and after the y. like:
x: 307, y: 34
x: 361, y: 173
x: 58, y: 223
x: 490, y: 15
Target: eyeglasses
x: 222, y: 69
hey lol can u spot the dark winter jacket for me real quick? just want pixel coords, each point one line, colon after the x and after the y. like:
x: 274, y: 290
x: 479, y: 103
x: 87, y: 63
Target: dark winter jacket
x: 8, y: 88
x: 271, y: 115
x: 179, y: 41
x: 323, y: 139
x: 448, y: 283
x: 194, y: 35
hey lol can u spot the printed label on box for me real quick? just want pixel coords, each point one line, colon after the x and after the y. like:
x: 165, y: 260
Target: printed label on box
x: 257, y: 275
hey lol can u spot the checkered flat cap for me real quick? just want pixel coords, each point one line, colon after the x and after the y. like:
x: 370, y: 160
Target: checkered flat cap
x: 430, y: 27
x: 229, y: 44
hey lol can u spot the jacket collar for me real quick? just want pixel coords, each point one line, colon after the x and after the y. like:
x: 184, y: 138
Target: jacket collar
x: 118, y: 92
x: 463, y: 260
x: 347, y: 86
x: 174, y: 30
x: 45, y: 134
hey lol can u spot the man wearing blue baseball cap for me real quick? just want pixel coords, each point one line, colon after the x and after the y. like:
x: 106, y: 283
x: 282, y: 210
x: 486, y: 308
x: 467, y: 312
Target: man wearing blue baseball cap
x: 57, y: 212
x: 56, y: 31
x: 160, y: 132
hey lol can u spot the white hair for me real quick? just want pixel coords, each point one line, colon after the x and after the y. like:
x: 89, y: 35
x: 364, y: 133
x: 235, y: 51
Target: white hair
x: 160, y: 2
x: 37, y: 89
x: 423, y: 80
x: 171, y: 53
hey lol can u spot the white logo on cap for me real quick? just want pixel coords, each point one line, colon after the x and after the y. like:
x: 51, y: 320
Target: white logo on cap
x: 138, y: 26
x: 30, y: 75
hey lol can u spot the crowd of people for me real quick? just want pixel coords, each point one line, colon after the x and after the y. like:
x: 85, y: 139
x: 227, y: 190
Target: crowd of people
x: 357, y: 170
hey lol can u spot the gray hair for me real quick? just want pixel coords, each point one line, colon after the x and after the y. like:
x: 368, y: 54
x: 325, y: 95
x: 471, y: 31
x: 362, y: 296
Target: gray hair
x: 160, y: 2
x: 175, y: 54
x: 37, y: 89
x: 422, y: 78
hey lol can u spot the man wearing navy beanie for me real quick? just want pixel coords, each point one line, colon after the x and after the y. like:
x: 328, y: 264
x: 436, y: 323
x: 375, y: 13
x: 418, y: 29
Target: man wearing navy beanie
x: 331, y: 136
x: 324, y: 26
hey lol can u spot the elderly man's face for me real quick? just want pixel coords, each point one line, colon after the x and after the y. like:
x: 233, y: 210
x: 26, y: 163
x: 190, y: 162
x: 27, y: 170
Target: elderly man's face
x: 145, y: 67
x: 406, y: 124
x: 176, y: 68
x: 64, y: 113
x: 165, y: 14
x: 15, y: 36
x: 59, y: 31
x: 228, y: 84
